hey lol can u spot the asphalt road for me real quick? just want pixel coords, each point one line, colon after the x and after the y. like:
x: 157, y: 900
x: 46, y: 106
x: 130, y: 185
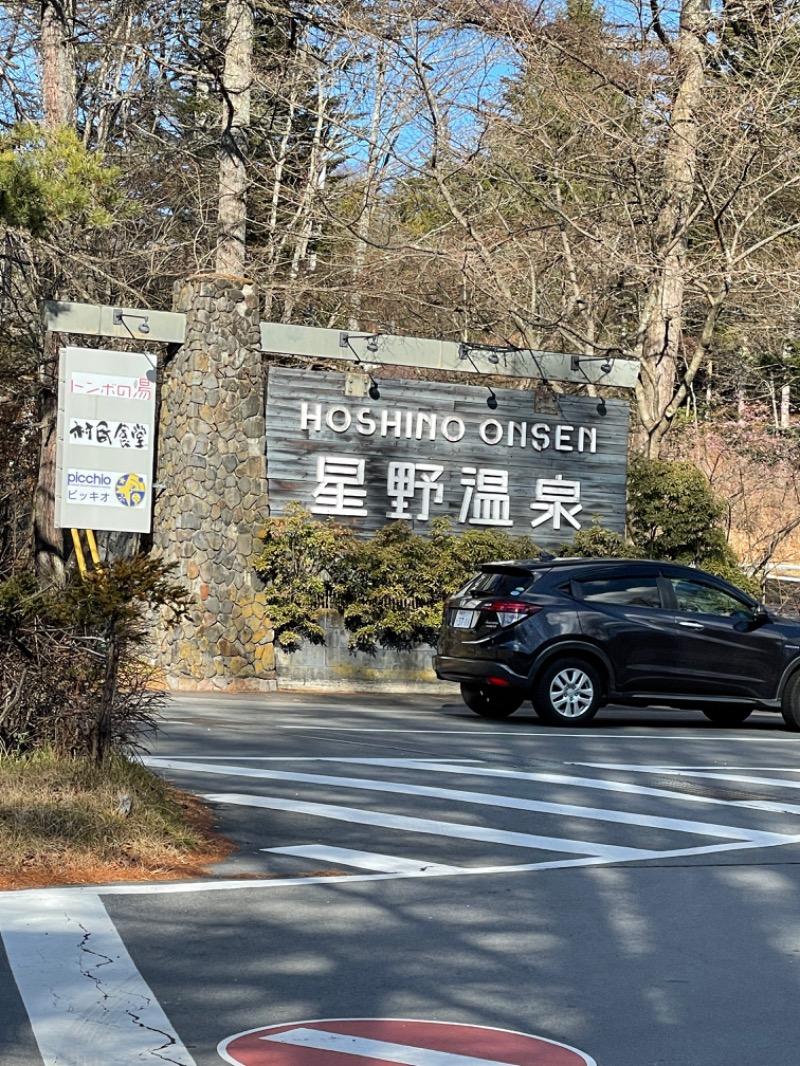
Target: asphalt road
x: 629, y: 891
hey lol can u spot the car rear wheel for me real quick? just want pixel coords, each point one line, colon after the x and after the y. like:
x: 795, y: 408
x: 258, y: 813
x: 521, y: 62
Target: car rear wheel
x: 790, y: 704
x: 727, y: 715
x: 488, y: 702
x: 567, y: 692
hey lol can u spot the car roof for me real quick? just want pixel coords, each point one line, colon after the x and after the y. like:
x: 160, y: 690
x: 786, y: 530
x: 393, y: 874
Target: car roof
x: 595, y: 563
x: 568, y: 561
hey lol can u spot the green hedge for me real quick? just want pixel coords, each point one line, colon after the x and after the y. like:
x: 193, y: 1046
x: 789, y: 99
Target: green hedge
x: 389, y: 589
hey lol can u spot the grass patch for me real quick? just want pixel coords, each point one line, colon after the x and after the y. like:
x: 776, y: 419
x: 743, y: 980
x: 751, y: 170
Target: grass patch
x: 66, y: 821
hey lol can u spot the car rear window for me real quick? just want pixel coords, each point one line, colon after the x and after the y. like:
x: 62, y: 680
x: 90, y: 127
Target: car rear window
x: 499, y: 583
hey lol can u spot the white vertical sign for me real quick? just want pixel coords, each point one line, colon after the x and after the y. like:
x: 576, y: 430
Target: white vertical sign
x: 106, y: 440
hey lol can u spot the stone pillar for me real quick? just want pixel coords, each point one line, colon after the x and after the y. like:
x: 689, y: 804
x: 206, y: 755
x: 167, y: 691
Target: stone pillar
x: 212, y: 464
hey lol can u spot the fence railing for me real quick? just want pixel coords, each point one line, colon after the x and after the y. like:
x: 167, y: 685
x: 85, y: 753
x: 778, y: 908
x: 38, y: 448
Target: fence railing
x: 781, y: 586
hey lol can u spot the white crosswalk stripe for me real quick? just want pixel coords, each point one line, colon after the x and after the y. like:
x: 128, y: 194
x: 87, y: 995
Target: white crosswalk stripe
x: 454, y: 830
x: 724, y: 835
x: 485, y: 799
x: 86, y: 1000
x: 363, y: 860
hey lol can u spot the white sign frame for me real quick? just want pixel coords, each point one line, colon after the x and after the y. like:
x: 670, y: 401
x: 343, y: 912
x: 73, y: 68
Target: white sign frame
x: 106, y: 440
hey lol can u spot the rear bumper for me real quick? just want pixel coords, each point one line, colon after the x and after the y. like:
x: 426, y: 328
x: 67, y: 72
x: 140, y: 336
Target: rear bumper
x: 475, y: 671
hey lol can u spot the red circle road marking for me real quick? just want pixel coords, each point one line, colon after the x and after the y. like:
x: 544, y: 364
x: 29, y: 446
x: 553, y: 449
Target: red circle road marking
x: 367, y: 1041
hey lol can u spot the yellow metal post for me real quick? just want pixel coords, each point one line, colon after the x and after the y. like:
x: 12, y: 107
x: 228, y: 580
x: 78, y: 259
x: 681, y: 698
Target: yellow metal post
x: 90, y: 540
x: 76, y: 540
x: 79, y: 553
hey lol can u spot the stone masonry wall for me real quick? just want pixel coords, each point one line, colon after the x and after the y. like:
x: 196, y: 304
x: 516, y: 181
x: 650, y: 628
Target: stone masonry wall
x: 212, y: 464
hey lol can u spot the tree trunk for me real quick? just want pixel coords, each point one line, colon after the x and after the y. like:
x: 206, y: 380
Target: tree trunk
x: 275, y: 244
x: 57, y: 27
x: 236, y: 83
x: 48, y: 540
x: 661, y: 323
x: 364, y: 221
x: 304, y: 217
x: 102, y: 742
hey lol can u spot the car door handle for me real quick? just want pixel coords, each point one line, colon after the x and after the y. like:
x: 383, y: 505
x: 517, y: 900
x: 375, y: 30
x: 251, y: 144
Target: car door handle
x: 691, y: 625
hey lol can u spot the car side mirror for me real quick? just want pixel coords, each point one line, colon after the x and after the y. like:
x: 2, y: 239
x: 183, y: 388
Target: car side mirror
x: 760, y: 616
x: 748, y: 620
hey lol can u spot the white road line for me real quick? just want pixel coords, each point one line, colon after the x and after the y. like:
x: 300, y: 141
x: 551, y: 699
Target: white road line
x: 599, y: 784
x: 676, y: 825
x: 364, y: 860
x: 544, y: 734
x: 609, y: 852
x: 155, y: 760
x: 669, y: 769
x: 88, y: 1004
x: 379, y: 1050
x: 772, y: 806
x: 174, y: 888
x: 715, y: 774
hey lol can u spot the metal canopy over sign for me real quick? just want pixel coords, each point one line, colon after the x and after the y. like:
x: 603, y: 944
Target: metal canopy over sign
x: 336, y: 1041
x: 379, y: 349
x: 413, y: 451
x: 99, y: 320
x: 383, y: 349
x: 106, y: 440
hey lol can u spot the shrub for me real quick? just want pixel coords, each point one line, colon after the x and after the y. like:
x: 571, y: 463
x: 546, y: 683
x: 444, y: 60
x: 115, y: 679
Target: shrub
x: 602, y: 543
x: 72, y: 674
x: 399, y: 579
x: 389, y: 590
x: 303, y: 564
x: 673, y: 514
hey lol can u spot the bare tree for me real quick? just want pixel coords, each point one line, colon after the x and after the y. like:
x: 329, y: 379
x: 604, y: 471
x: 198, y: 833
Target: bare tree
x: 58, y: 62
x: 233, y: 170
x: 57, y: 29
x: 631, y: 192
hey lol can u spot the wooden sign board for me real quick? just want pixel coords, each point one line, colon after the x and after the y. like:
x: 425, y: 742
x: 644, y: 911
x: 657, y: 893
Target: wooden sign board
x: 413, y: 451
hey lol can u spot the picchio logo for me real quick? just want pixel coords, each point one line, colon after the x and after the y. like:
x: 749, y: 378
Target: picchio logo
x: 94, y: 478
x: 130, y: 490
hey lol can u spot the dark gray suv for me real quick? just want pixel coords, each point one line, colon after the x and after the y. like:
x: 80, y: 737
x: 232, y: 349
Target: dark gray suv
x: 574, y: 634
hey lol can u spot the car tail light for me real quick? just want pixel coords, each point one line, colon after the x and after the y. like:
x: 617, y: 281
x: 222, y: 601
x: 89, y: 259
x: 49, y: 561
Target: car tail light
x: 508, y: 611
